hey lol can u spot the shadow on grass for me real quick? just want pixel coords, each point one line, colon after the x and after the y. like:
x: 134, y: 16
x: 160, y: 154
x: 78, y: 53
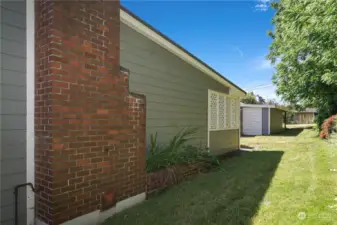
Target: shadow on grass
x: 290, y: 132
x: 246, y: 146
x: 229, y: 196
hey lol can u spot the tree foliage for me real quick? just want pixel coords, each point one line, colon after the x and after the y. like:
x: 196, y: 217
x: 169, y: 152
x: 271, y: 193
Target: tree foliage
x: 304, y: 50
x: 271, y: 102
x: 250, y: 98
x: 261, y: 100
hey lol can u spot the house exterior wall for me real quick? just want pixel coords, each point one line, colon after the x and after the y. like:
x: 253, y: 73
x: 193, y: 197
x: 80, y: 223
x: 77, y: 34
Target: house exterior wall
x: 89, y: 130
x: 224, y: 141
x: 276, y: 121
x: 12, y: 107
x: 265, y: 121
x: 176, y: 92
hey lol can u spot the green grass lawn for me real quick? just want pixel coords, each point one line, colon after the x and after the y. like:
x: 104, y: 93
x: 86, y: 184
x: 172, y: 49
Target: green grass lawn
x: 286, y: 181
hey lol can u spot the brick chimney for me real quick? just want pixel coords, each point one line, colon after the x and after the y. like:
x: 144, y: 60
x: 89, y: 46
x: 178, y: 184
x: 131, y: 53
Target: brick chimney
x: 89, y: 130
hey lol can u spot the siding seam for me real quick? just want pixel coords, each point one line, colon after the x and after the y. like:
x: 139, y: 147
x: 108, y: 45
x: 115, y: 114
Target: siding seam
x: 13, y: 99
x: 12, y: 10
x: 12, y: 25
x: 139, y: 74
x: 13, y: 85
x: 170, y: 96
x: 12, y: 40
x: 167, y: 73
x: 16, y: 56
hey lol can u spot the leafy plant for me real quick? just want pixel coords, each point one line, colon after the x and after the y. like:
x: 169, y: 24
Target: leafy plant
x: 328, y: 127
x: 181, y: 138
x: 177, y: 152
x: 153, y: 144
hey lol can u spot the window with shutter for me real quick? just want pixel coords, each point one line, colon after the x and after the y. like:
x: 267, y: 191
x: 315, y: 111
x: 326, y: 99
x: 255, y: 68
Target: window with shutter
x: 216, y: 111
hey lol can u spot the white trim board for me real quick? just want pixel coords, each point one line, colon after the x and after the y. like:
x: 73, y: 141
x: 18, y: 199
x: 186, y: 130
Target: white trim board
x: 269, y: 121
x: 208, y: 117
x: 256, y: 106
x: 30, y: 98
x: 0, y: 102
x: 143, y: 29
x: 98, y: 217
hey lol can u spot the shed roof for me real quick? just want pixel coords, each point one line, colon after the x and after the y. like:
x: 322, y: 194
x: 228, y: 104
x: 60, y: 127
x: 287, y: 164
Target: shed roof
x: 243, y: 105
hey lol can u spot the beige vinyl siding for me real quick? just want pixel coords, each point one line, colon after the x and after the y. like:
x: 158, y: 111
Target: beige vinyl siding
x: 224, y: 141
x: 276, y: 121
x: 176, y: 92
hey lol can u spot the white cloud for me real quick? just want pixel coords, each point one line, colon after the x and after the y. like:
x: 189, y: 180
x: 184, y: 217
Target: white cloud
x: 268, y: 92
x: 265, y: 64
x: 239, y: 51
x: 262, y: 5
x: 236, y: 49
x: 262, y: 64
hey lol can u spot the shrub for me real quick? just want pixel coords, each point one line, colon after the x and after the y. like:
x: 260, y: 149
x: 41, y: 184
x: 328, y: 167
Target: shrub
x: 177, y: 152
x: 328, y: 126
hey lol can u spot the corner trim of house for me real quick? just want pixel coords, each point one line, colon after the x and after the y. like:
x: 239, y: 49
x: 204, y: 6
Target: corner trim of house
x: 30, y: 98
x: 269, y: 121
x: 208, y: 117
x: 239, y: 115
x: 0, y: 106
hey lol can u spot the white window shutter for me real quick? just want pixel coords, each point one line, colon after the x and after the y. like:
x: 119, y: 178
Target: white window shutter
x: 238, y: 117
x: 213, y: 110
x: 217, y: 106
x: 222, y: 112
x: 233, y: 113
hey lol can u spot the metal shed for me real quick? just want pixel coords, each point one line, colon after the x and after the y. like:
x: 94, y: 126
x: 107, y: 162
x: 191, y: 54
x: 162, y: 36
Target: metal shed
x: 261, y: 119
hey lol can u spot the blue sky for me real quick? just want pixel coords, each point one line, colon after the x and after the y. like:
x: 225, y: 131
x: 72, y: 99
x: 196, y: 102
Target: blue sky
x: 230, y: 36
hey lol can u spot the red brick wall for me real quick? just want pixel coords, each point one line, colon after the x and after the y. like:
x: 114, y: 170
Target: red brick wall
x: 90, y: 132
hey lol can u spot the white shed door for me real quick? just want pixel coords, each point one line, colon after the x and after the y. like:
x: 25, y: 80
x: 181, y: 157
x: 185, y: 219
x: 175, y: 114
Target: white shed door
x: 252, y: 121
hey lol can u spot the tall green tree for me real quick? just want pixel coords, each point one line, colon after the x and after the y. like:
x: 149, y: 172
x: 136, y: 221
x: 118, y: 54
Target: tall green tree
x: 304, y: 50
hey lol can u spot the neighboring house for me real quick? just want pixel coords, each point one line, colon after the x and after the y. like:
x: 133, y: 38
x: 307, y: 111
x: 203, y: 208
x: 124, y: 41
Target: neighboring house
x: 261, y: 119
x: 74, y: 125
x: 306, y: 116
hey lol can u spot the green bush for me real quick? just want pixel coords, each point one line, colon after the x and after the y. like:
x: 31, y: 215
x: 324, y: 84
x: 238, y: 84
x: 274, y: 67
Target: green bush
x: 177, y: 152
